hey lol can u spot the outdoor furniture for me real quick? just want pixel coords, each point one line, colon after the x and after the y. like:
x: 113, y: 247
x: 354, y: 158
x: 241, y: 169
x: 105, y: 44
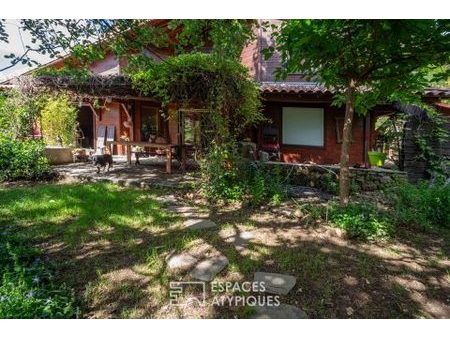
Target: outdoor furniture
x: 166, y: 147
x: 101, y: 134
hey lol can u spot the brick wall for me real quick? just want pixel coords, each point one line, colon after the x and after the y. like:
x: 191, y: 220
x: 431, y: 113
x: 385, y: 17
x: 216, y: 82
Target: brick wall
x: 110, y: 116
x: 330, y: 152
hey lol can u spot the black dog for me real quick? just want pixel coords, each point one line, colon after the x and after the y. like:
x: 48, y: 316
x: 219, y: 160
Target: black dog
x: 100, y: 161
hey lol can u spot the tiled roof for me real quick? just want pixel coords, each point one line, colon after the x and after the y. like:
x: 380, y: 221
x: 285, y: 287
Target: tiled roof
x: 316, y: 88
x: 294, y: 88
x: 437, y: 92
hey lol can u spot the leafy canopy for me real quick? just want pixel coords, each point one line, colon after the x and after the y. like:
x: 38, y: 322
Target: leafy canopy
x: 219, y: 84
x: 387, y: 59
x: 90, y: 40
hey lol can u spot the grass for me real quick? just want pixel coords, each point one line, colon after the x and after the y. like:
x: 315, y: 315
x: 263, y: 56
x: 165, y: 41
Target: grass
x: 109, y: 245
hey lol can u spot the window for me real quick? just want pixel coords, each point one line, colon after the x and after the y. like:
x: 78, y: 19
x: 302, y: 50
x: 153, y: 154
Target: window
x: 149, y: 122
x: 303, y: 126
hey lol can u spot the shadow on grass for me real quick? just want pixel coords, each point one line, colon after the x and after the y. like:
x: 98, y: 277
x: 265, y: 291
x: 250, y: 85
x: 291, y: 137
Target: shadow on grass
x: 109, y: 244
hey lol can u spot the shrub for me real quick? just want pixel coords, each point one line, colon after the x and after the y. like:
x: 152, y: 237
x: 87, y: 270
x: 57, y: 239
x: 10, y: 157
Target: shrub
x: 362, y: 221
x: 262, y: 184
x: 424, y: 205
x: 27, y: 288
x: 22, y: 159
x: 229, y: 177
x: 18, y: 114
x: 220, y: 176
x: 58, y: 120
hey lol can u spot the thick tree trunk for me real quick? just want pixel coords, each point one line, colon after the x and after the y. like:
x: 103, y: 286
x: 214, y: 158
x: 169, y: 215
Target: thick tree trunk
x: 344, y: 177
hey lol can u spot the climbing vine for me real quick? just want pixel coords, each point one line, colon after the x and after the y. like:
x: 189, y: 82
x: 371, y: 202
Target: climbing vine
x: 219, y: 85
x: 429, y: 136
x: 223, y: 88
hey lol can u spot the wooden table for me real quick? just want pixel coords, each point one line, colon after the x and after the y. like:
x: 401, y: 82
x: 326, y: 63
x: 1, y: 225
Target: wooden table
x: 166, y: 146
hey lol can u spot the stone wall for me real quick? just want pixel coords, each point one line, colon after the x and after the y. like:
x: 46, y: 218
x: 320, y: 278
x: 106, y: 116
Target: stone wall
x: 326, y: 177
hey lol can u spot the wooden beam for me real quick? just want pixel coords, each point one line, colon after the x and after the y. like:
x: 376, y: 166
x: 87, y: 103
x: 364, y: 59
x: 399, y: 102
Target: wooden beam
x: 130, y: 120
x: 88, y: 104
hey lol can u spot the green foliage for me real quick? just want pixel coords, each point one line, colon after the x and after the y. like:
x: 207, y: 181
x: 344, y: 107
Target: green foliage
x: 261, y: 183
x: 75, y: 73
x: 27, y: 287
x: 220, y: 85
x: 224, y: 88
x: 429, y: 134
x: 220, y: 174
x: 362, y: 221
x: 227, y: 37
x: 58, y: 120
x: 22, y: 159
x: 18, y: 113
x: 229, y: 177
x: 92, y: 39
x: 393, y: 58
x: 422, y: 205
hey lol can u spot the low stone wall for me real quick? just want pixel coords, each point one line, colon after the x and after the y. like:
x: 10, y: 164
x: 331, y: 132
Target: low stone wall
x: 326, y: 177
x: 58, y: 155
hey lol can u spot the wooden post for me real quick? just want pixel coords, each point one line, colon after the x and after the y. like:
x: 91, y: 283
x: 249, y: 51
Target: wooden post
x: 366, y: 140
x: 169, y: 160
x: 129, y: 154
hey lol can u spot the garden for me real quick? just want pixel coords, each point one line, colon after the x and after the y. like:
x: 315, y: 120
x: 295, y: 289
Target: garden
x: 83, y: 249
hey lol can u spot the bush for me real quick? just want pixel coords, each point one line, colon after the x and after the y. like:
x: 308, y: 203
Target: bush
x: 27, y: 288
x: 58, y: 120
x: 22, y: 159
x: 362, y: 221
x: 424, y: 205
x: 229, y: 177
x: 262, y: 184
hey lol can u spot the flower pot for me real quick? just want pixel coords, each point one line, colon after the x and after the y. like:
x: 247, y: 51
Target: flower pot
x: 376, y: 158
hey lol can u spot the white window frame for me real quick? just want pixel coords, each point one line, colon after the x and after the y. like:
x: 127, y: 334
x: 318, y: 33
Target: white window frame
x: 311, y: 119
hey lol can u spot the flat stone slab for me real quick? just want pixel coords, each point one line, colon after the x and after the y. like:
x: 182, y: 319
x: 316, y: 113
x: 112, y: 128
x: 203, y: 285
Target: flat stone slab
x: 240, y: 240
x: 283, y: 311
x: 182, y: 209
x: 181, y: 261
x: 276, y: 283
x: 207, y: 269
x: 187, y: 211
x: 198, y: 224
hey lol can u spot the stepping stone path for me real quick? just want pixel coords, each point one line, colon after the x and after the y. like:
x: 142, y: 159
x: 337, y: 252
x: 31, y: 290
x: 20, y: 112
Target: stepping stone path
x: 240, y: 240
x: 275, y: 283
x: 199, y: 224
x: 167, y: 199
x: 207, y: 269
x: 184, y: 210
x: 181, y: 261
x: 283, y: 311
x: 187, y: 211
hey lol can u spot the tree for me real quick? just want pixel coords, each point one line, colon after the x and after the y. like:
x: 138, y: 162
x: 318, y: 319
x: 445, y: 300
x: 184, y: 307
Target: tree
x: 89, y: 40
x: 366, y: 62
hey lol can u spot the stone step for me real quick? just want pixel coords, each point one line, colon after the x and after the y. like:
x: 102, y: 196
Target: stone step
x: 240, y: 240
x: 207, y: 269
x: 187, y: 211
x: 275, y: 283
x: 199, y: 224
x: 182, y: 261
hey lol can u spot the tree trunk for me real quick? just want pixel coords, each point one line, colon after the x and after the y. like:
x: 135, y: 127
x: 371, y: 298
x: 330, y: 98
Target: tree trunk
x: 344, y: 177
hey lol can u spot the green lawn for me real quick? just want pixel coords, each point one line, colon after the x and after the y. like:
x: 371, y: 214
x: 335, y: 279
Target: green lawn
x: 109, y: 244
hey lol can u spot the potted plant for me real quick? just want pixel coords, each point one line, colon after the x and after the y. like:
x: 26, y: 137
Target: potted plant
x: 376, y: 158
